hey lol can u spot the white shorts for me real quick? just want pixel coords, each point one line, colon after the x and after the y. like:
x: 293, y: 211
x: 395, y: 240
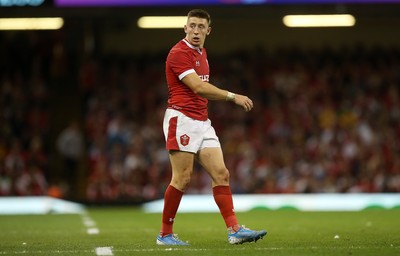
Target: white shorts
x: 186, y: 134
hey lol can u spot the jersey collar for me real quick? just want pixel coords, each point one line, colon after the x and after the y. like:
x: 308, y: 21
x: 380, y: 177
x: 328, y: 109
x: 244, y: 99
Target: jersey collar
x: 191, y: 46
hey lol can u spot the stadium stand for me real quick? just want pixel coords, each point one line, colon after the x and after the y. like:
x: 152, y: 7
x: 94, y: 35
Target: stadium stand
x: 325, y: 120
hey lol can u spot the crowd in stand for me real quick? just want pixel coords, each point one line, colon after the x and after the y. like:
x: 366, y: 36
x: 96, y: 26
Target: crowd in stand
x: 24, y: 117
x: 324, y: 121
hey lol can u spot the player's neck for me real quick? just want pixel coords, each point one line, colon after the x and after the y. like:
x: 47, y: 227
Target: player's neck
x: 199, y: 48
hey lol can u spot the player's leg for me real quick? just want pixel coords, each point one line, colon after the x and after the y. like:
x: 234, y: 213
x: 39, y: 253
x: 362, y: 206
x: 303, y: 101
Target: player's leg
x: 180, y: 141
x: 212, y: 160
x: 182, y: 168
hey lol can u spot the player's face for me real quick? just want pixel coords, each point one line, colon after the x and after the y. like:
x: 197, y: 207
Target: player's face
x: 196, y: 31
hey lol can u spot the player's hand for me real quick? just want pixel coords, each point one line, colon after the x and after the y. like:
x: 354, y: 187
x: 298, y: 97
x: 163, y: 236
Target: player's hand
x: 245, y: 102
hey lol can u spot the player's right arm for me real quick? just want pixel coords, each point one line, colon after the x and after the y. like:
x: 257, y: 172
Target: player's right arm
x: 211, y: 92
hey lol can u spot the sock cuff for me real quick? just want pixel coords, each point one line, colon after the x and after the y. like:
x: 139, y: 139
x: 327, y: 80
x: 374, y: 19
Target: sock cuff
x: 174, y: 190
x: 222, y: 190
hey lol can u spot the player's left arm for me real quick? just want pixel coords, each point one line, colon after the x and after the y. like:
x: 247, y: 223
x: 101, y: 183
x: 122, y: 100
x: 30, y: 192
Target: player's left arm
x: 211, y: 92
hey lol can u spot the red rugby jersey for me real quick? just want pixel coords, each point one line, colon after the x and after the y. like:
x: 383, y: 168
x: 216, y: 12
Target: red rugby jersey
x: 182, y: 60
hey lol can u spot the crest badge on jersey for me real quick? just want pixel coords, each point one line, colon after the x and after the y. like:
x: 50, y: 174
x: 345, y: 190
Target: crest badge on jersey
x: 185, y: 139
x: 197, y: 63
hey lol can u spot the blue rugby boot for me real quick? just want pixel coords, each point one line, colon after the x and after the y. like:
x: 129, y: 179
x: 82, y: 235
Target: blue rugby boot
x: 244, y: 235
x: 171, y: 239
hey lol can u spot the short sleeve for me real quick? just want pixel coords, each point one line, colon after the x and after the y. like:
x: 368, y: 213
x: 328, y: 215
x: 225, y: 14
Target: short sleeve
x: 181, y: 63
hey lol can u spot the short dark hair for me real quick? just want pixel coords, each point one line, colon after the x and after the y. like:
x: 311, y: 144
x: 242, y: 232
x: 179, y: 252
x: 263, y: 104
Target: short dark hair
x: 199, y: 13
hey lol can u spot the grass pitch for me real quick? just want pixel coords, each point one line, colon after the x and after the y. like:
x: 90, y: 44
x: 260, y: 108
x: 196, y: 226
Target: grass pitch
x: 129, y: 231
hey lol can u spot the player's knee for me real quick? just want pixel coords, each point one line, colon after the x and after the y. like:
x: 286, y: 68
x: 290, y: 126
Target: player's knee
x: 182, y: 180
x: 222, y: 176
x: 185, y: 181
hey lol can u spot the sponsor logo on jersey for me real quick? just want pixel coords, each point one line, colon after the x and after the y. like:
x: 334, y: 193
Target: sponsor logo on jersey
x: 204, y: 78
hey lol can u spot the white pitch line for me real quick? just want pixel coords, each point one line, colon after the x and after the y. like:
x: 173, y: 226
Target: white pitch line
x: 104, y: 251
x: 93, y: 231
x: 90, y: 225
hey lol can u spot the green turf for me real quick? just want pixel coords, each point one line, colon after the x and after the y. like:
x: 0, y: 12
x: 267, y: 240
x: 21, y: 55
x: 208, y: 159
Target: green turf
x: 131, y: 232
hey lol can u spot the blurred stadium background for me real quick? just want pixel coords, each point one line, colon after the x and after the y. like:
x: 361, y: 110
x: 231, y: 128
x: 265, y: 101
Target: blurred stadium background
x: 327, y: 115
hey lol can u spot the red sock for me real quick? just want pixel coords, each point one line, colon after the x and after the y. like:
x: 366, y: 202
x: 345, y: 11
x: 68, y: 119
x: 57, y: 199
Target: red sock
x: 172, y: 199
x: 223, y: 198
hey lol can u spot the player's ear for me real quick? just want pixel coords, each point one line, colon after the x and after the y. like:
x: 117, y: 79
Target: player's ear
x: 185, y: 28
x: 208, y: 31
